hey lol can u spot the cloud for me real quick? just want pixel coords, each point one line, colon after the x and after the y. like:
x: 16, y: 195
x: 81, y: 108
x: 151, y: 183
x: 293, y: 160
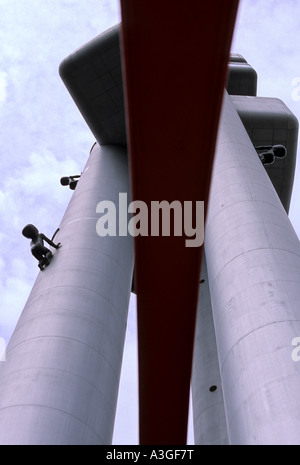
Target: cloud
x: 35, y: 186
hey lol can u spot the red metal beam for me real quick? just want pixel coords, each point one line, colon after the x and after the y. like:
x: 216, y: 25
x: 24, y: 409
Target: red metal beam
x: 175, y: 57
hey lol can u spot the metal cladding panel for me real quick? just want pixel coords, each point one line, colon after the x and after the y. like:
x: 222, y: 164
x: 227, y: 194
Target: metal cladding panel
x: 242, y: 79
x: 93, y: 77
x: 208, y: 406
x: 268, y: 121
x: 236, y: 58
x: 175, y: 65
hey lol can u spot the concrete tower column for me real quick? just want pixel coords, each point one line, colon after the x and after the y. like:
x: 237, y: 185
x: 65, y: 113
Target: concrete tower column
x: 208, y: 406
x: 253, y: 261
x: 60, y: 382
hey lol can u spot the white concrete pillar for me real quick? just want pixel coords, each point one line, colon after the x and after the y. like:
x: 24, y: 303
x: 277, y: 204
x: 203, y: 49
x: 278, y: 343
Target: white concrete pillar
x: 208, y: 406
x: 60, y: 382
x: 253, y: 261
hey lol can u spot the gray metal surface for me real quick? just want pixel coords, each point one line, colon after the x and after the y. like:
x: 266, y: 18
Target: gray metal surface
x: 242, y: 78
x: 253, y: 262
x: 208, y: 406
x: 268, y: 121
x: 93, y: 77
x: 60, y: 382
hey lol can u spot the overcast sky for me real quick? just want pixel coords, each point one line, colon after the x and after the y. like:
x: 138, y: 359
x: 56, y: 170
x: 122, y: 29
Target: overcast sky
x: 43, y: 136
